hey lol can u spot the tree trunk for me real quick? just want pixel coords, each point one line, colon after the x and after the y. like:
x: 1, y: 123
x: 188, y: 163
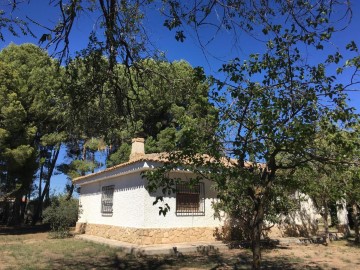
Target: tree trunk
x: 15, y: 213
x: 326, y: 224
x: 70, y: 192
x: 355, y: 217
x: 256, y: 228
x: 47, y: 193
x: 23, y: 202
x: 333, y: 214
x: 38, y: 210
x: 93, y: 160
x: 47, y: 185
x: 255, y: 246
x: 5, y: 214
x: 27, y: 212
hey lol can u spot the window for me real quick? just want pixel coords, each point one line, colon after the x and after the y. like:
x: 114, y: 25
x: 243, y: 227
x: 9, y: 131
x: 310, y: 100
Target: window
x: 107, y: 199
x: 190, y: 199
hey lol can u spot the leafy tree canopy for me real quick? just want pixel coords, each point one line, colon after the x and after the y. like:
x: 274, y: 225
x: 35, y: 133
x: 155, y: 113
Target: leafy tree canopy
x: 270, y: 107
x: 30, y: 115
x: 165, y: 94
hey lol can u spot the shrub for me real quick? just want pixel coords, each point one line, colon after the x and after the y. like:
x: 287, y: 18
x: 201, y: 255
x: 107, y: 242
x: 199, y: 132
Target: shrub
x: 61, y: 215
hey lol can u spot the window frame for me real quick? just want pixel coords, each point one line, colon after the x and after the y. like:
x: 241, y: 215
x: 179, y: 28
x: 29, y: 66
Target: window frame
x: 107, y: 200
x: 185, y: 197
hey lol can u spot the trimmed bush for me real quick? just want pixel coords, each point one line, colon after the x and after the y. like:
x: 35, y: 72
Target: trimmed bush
x: 61, y: 215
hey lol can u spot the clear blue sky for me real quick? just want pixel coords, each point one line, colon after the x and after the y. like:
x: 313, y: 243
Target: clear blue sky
x: 220, y: 50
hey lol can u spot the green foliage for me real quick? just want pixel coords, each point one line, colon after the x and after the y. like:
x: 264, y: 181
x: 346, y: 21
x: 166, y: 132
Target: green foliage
x: 164, y: 97
x: 175, y: 97
x: 61, y: 215
x: 120, y: 156
x: 77, y: 168
x: 270, y: 107
x: 91, y: 103
x: 31, y: 119
x: 350, y: 178
x: 237, y: 200
x: 29, y: 97
x: 322, y: 179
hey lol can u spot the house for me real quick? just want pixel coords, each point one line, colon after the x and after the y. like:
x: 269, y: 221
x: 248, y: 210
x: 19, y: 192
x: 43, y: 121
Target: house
x: 116, y: 204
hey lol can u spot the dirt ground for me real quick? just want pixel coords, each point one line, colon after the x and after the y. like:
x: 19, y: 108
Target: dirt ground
x: 33, y: 249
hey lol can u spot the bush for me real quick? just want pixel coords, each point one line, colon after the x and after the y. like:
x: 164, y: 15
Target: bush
x: 61, y: 215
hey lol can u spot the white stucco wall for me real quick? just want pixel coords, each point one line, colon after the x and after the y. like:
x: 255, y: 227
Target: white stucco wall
x: 171, y: 220
x: 306, y: 214
x: 309, y: 213
x: 128, y: 202
x: 342, y: 213
x: 133, y: 205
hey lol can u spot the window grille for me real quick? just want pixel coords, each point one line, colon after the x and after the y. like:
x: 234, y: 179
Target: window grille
x: 107, y: 199
x: 190, y: 200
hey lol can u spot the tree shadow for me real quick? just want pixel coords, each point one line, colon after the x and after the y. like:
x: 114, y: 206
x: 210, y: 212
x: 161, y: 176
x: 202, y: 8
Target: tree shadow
x: 113, y: 262
x: 244, y: 262
x: 211, y: 261
x: 23, y: 229
x: 265, y: 244
x: 351, y: 243
x: 133, y: 262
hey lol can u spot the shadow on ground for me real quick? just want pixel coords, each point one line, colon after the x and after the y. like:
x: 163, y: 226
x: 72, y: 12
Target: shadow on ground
x: 24, y: 229
x: 213, y: 262
x: 351, y: 243
x: 244, y: 262
x: 238, y: 258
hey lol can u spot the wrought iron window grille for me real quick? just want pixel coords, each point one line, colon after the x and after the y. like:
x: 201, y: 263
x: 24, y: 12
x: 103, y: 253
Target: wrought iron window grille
x: 190, y: 200
x: 107, y: 197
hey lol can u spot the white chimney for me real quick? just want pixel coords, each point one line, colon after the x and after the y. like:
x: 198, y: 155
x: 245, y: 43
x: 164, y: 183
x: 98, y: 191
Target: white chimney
x: 137, y: 148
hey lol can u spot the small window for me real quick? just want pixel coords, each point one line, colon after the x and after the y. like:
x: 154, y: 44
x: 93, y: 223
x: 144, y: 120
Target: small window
x: 107, y: 199
x: 190, y: 199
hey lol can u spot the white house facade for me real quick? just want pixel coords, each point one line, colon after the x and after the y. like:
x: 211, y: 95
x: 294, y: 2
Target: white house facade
x: 116, y: 204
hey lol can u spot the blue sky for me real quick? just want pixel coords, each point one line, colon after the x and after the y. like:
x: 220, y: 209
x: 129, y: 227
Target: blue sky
x: 218, y: 52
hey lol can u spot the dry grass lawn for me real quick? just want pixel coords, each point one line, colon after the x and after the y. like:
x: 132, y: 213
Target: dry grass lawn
x: 33, y: 249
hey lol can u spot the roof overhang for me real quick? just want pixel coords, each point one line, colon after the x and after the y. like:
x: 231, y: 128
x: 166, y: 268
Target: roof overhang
x: 136, y: 167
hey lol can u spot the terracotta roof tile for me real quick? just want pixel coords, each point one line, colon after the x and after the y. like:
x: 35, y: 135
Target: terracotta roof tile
x: 159, y: 157
x: 155, y: 157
